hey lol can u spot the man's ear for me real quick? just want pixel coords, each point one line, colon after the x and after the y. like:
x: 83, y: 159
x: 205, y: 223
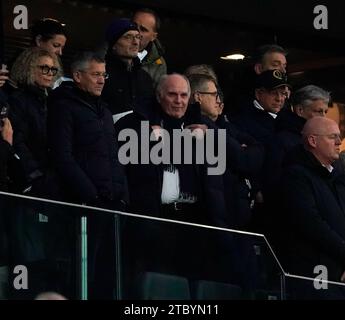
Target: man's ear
x: 196, y: 97
x: 258, y: 68
x: 154, y: 36
x: 312, y: 141
x: 38, y: 40
x: 299, y: 110
x: 256, y: 93
x: 76, y: 76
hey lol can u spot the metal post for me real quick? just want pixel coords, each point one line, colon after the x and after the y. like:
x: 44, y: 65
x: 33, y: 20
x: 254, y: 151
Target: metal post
x: 282, y: 286
x: 118, y: 272
x: 82, y: 258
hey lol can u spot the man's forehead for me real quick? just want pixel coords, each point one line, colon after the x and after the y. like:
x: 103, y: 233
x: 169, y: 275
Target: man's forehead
x: 211, y: 84
x: 96, y: 65
x: 318, y: 104
x: 144, y: 17
x: 275, y: 56
x: 175, y: 83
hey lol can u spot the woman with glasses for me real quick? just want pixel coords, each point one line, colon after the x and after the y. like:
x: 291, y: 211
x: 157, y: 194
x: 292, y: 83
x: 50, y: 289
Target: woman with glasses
x: 34, y: 71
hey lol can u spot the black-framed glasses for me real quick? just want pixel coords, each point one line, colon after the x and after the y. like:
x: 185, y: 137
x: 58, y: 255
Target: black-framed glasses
x: 46, y: 69
x: 214, y: 94
x: 103, y: 75
x: 131, y: 37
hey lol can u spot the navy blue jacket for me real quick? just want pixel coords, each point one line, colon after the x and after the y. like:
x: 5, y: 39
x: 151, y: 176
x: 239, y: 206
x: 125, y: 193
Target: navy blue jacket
x: 286, y: 136
x: 83, y: 146
x: 28, y: 115
x: 127, y: 88
x: 257, y: 123
x: 312, y: 222
x: 243, y: 163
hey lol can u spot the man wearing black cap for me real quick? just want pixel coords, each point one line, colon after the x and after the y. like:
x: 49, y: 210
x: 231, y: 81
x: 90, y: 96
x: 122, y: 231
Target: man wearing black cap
x: 270, y: 94
x: 258, y: 120
x: 128, y: 87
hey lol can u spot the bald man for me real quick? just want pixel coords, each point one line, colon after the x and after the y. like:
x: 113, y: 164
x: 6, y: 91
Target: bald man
x: 313, y: 224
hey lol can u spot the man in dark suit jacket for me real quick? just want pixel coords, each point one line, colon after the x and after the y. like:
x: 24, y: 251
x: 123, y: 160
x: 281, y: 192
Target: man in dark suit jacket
x: 244, y: 154
x: 258, y: 120
x: 173, y: 190
x: 129, y: 86
x: 82, y: 137
x: 84, y: 152
x: 313, y: 193
x: 307, y: 102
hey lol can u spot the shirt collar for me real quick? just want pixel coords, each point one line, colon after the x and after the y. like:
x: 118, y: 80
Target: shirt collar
x: 329, y: 168
x: 142, y: 54
x: 258, y: 106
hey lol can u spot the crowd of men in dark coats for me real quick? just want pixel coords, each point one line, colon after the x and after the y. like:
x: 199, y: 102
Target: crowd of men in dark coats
x: 282, y: 177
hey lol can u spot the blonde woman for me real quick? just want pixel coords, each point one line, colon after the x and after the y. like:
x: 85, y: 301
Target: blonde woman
x: 34, y: 72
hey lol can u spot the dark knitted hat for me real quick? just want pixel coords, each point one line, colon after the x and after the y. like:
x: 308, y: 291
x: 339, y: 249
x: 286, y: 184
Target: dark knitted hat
x: 117, y: 28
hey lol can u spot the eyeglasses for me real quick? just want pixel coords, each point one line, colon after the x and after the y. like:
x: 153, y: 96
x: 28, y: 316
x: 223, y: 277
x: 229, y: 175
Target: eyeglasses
x: 131, y: 37
x: 46, y: 69
x: 332, y: 136
x: 104, y: 75
x: 215, y: 94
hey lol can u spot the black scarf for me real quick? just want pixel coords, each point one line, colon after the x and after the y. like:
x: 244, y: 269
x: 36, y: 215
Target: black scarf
x: 188, y: 173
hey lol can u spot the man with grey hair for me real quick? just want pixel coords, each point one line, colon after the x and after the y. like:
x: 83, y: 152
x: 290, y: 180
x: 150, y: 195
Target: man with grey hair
x: 307, y: 102
x: 312, y: 221
x: 82, y: 136
x: 310, y: 101
x: 84, y: 152
x: 245, y: 155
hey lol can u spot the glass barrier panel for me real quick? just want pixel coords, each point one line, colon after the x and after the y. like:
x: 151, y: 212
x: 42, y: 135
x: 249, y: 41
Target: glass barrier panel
x: 305, y: 288
x: 89, y: 253
x: 176, y: 260
x: 50, y: 246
